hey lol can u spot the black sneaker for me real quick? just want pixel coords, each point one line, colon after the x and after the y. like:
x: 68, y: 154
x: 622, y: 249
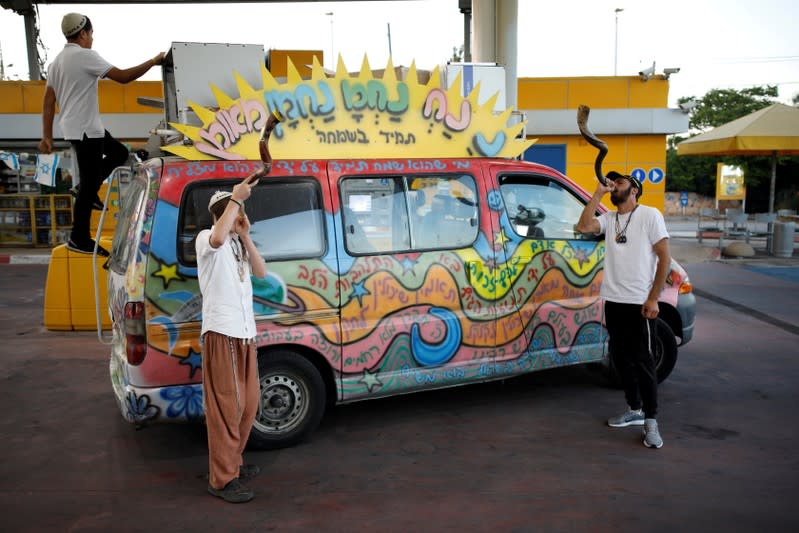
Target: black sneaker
x: 248, y: 472
x: 233, y: 492
x: 87, y: 248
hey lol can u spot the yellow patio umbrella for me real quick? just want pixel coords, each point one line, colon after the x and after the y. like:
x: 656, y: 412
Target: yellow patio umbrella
x: 773, y: 130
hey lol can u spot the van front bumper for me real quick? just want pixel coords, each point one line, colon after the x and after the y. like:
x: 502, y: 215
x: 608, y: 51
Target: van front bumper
x: 686, y: 307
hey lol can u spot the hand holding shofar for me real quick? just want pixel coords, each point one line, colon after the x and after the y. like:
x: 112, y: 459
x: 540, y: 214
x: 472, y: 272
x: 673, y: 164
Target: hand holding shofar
x: 263, y: 148
x: 593, y: 140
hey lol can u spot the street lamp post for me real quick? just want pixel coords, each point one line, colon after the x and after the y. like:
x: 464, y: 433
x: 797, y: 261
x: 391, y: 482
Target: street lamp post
x: 332, y: 56
x: 616, y: 46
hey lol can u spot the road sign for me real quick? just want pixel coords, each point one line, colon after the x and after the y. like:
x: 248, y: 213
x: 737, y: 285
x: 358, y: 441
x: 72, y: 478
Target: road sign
x: 656, y: 175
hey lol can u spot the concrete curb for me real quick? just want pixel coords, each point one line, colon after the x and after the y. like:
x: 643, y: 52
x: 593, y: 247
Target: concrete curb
x: 25, y: 259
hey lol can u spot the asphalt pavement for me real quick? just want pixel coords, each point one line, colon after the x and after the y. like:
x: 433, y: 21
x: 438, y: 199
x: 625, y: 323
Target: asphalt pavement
x: 527, y: 454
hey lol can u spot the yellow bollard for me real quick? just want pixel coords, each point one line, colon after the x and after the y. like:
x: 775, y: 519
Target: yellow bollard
x: 69, y: 302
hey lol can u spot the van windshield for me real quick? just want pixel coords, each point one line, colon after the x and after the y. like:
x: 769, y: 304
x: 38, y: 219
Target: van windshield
x: 131, y: 216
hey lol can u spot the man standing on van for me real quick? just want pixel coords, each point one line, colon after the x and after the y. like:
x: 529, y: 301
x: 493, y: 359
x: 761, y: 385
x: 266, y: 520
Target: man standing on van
x: 226, y: 258
x: 637, y: 261
x: 72, y: 83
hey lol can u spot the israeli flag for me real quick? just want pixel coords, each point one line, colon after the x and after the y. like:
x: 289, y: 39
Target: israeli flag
x: 10, y: 159
x: 46, y: 165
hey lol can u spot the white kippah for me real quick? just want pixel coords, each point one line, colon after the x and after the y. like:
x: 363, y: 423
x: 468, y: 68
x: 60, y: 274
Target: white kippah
x: 218, y: 197
x: 72, y: 23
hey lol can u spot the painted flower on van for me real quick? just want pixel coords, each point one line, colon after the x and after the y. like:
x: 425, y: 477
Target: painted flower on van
x: 139, y: 407
x: 186, y: 401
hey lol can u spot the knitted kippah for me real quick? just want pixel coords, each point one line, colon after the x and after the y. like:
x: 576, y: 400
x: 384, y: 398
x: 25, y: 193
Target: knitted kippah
x: 218, y: 197
x: 72, y: 23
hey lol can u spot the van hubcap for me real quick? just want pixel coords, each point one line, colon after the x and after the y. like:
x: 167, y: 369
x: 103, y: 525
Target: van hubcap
x: 283, y: 403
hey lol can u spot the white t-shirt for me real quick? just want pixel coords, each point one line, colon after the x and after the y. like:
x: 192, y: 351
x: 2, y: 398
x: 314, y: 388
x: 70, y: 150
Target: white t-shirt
x: 227, y: 300
x: 73, y: 75
x: 630, y: 267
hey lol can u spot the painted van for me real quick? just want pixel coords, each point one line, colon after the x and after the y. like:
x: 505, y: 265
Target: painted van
x: 385, y: 276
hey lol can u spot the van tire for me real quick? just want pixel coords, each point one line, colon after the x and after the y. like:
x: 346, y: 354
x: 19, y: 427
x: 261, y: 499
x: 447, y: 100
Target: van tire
x: 665, y: 355
x: 665, y: 350
x: 291, y: 401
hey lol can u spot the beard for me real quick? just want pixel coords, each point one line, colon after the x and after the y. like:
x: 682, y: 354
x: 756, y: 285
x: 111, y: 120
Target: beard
x: 619, y: 197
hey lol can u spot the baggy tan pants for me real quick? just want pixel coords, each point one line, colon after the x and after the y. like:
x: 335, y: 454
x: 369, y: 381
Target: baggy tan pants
x: 230, y: 394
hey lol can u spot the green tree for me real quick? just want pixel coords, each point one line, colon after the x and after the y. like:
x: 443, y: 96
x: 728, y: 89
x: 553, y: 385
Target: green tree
x: 720, y: 106
x: 717, y: 107
x: 693, y: 174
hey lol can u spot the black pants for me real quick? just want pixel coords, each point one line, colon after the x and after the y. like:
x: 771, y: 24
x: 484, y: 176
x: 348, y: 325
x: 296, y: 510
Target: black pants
x: 632, y: 339
x: 97, y: 158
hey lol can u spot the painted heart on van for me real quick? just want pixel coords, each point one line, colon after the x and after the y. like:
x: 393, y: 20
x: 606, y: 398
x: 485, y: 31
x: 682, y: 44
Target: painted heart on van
x: 489, y: 149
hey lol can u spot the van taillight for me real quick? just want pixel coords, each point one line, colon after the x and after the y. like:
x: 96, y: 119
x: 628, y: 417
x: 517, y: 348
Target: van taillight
x: 136, y: 343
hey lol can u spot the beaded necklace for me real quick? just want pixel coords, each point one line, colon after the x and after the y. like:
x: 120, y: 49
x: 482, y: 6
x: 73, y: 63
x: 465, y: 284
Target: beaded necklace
x: 238, y: 253
x: 621, y: 234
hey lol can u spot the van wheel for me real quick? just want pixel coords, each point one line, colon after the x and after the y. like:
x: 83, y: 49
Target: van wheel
x: 291, y: 402
x: 665, y: 354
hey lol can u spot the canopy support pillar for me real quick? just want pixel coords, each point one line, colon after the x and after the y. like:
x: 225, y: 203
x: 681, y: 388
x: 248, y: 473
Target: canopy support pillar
x: 773, y: 181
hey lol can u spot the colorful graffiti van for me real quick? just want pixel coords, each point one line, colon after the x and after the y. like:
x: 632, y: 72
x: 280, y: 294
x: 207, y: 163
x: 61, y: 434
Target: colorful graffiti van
x: 410, y: 252
x: 385, y: 277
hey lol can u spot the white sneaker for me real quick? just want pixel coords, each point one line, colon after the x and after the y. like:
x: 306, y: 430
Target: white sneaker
x: 651, y: 434
x: 628, y: 418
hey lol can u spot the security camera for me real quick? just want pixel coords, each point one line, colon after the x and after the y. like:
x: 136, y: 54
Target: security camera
x: 687, y: 106
x: 647, y: 73
x: 669, y: 71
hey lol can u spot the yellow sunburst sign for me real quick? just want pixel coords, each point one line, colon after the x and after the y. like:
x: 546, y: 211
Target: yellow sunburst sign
x: 351, y: 117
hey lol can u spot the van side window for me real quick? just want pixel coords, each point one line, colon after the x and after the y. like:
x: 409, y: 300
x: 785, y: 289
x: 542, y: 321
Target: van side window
x: 408, y: 213
x: 445, y: 213
x: 286, y: 219
x: 539, y: 207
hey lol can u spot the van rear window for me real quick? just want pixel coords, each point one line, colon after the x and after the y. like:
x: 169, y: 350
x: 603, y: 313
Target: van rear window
x: 286, y: 219
x: 130, y: 218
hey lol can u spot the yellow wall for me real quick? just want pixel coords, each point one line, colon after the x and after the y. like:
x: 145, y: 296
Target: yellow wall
x: 26, y: 96
x: 278, y: 61
x: 625, y: 152
x: 597, y: 92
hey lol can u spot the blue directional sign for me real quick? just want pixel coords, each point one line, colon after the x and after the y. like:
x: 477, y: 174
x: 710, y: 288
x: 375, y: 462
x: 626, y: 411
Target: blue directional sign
x: 639, y: 174
x: 656, y: 175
